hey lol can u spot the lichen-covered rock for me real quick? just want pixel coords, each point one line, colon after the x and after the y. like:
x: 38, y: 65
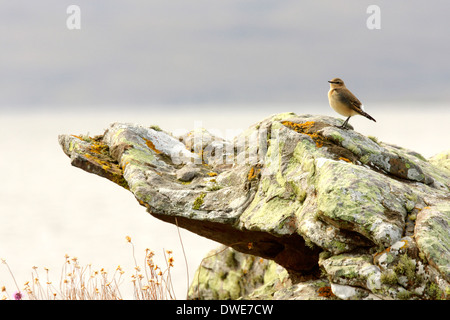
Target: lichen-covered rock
x: 297, y: 190
x: 406, y: 275
x: 187, y: 173
x: 228, y: 274
x: 354, y: 270
x: 442, y: 160
x: 431, y: 233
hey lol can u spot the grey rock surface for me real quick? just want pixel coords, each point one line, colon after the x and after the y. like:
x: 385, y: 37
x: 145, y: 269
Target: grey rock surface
x: 298, y: 191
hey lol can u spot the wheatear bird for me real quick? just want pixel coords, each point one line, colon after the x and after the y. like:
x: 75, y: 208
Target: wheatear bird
x: 344, y: 102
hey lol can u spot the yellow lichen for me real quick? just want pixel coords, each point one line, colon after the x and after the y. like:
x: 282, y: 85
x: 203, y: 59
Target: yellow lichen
x: 253, y: 173
x: 98, y: 147
x: 151, y: 146
x: 305, y: 128
x: 142, y: 203
x: 377, y: 255
x: 98, y: 154
x: 405, y: 243
x: 79, y: 137
x: 104, y: 164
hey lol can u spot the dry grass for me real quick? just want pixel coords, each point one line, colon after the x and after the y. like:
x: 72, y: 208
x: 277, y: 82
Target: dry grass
x: 78, y: 282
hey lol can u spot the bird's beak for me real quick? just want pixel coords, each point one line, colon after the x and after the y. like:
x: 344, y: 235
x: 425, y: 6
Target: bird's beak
x: 330, y: 81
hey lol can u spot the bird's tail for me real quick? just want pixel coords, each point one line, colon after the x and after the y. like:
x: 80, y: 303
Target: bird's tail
x: 365, y: 114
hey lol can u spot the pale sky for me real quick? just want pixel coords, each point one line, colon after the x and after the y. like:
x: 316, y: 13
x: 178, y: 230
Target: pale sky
x: 221, y: 52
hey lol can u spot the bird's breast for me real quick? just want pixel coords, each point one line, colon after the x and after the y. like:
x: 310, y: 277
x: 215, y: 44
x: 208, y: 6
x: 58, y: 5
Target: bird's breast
x: 338, y: 104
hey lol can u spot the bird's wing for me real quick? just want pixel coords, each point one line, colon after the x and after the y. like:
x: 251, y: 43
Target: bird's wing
x: 349, y: 99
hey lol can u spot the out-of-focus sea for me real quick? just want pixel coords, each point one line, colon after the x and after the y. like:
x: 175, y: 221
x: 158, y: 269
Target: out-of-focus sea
x: 49, y: 209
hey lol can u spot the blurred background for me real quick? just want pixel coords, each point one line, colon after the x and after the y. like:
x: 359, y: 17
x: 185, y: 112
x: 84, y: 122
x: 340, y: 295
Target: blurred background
x: 177, y: 64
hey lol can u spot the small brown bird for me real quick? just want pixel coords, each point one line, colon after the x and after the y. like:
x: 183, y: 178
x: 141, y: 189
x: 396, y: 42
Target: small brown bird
x: 344, y: 102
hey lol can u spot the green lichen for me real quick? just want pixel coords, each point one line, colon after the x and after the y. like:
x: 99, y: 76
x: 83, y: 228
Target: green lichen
x: 433, y: 238
x: 310, y: 244
x: 404, y: 295
x: 230, y: 259
x: 365, y: 159
x: 198, y: 201
x: 411, y: 196
x: 301, y: 195
x: 338, y: 246
x: 138, y: 156
x: 120, y: 180
x: 433, y: 291
x: 214, y: 187
x: 265, y: 184
x: 374, y: 139
x: 342, y: 191
x: 389, y: 277
x: 354, y: 149
x: 273, y: 281
x: 274, y: 213
x: 141, y: 193
x: 155, y: 127
x: 324, y: 255
x: 390, y: 257
x: 407, y: 267
x: 336, y: 136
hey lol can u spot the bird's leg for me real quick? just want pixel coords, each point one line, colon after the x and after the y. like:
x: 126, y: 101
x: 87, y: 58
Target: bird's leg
x: 344, y: 125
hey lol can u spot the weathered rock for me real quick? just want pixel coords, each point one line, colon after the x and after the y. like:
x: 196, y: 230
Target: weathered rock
x: 288, y: 189
x: 442, y: 160
x: 431, y: 233
x: 187, y: 173
x: 228, y: 274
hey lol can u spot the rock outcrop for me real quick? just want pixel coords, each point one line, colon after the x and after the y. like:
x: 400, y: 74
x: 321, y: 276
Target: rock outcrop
x: 343, y: 215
